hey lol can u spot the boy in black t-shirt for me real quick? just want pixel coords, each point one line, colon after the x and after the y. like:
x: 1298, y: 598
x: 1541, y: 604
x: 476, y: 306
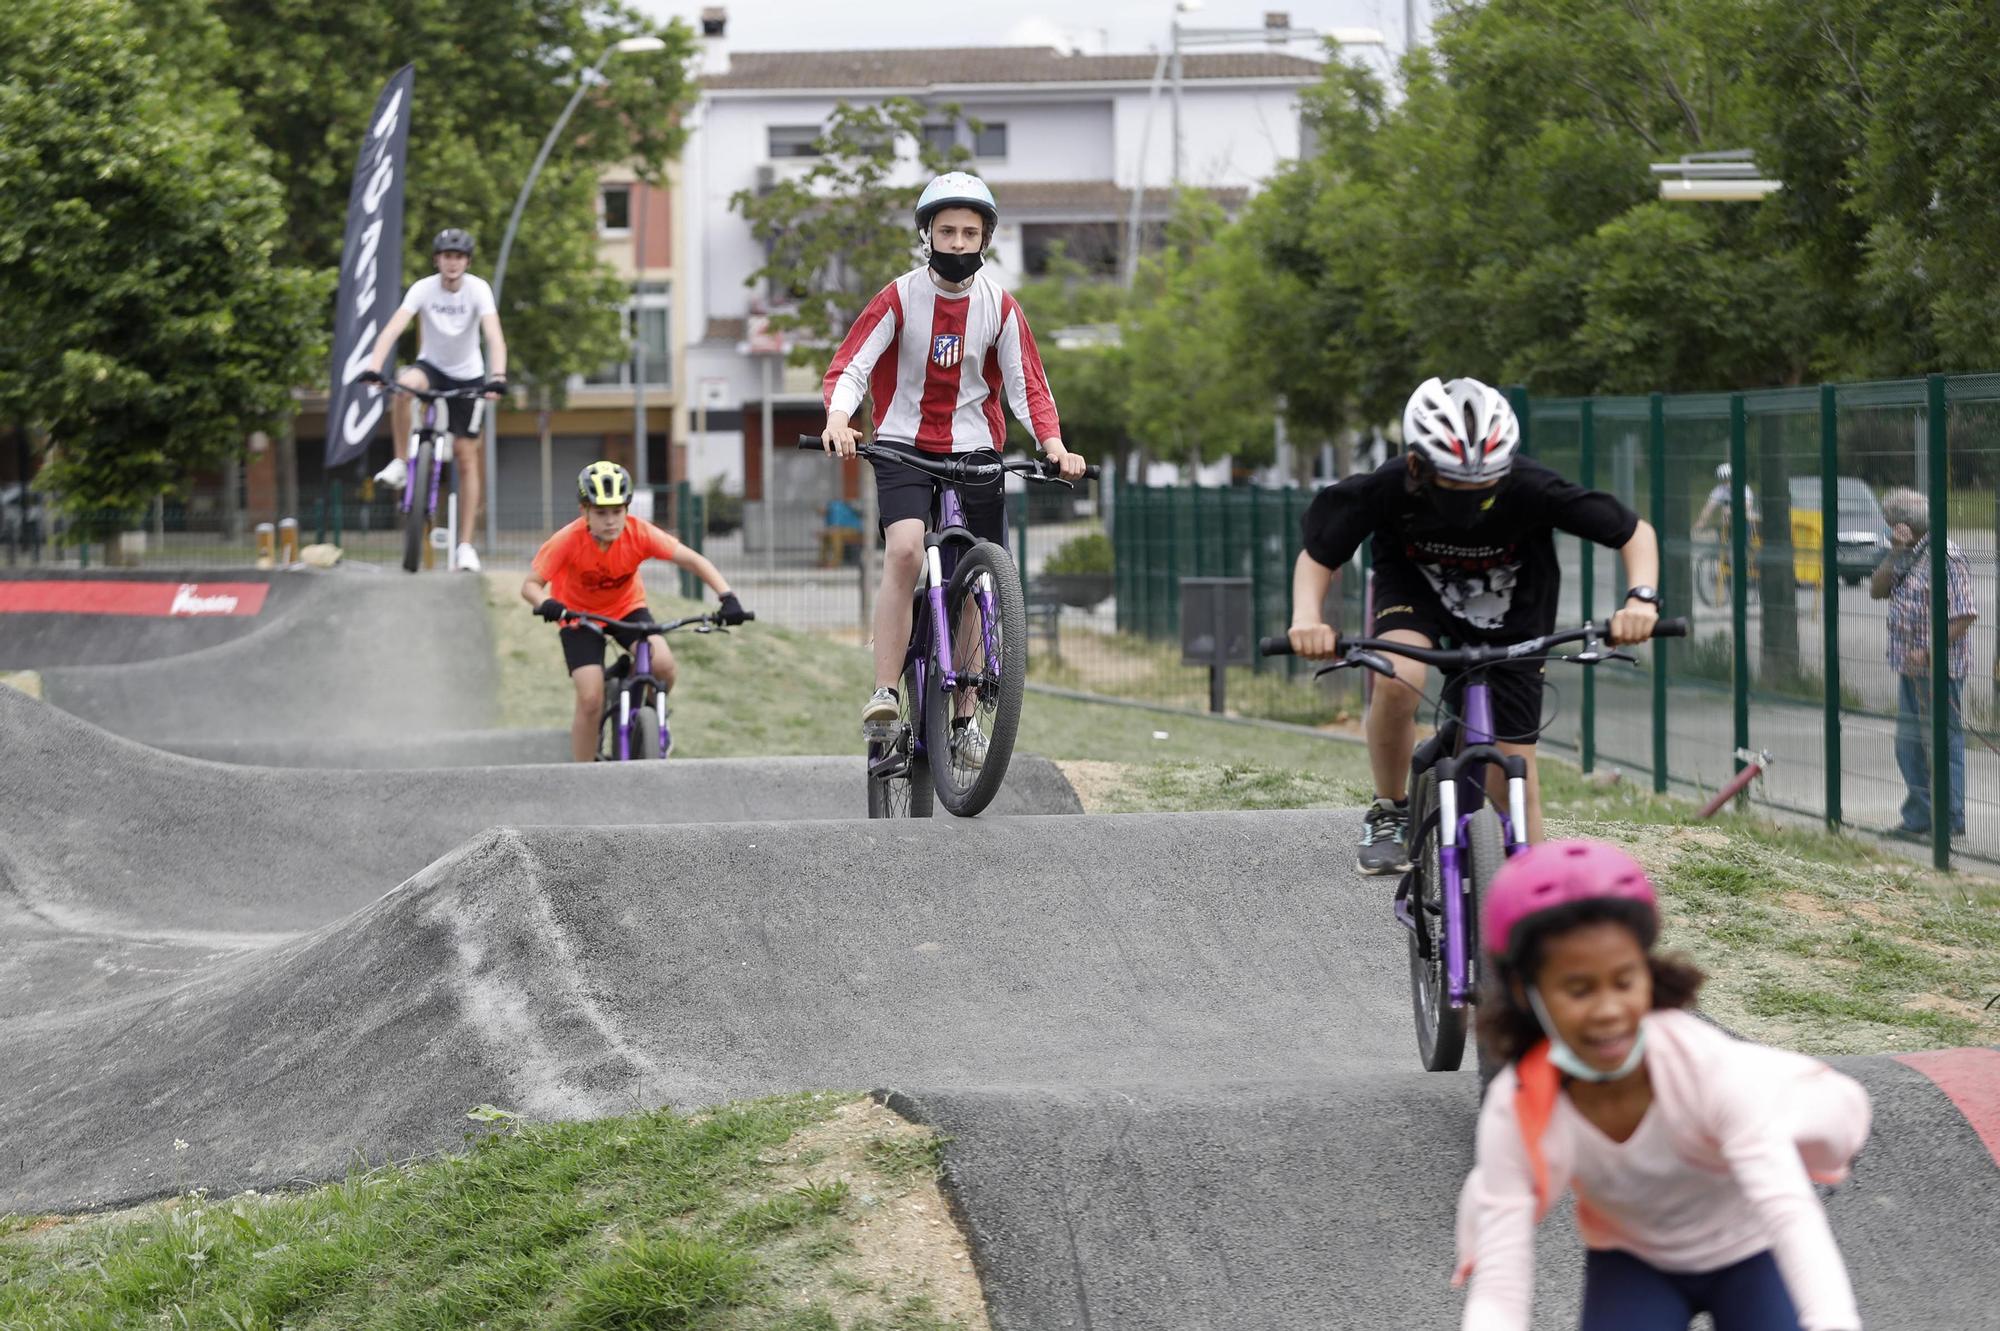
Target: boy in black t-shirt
x: 1464, y: 549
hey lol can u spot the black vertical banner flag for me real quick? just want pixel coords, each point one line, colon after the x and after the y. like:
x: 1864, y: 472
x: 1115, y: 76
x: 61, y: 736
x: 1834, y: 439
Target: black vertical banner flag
x: 371, y: 270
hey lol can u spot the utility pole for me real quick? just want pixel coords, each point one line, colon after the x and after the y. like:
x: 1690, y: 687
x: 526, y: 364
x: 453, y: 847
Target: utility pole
x: 641, y: 472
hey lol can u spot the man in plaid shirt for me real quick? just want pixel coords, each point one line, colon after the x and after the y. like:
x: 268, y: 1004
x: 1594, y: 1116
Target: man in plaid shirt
x: 1904, y: 580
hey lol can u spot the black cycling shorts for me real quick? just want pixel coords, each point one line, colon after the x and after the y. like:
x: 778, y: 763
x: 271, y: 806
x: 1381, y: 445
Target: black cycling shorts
x: 904, y: 492
x: 585, y: 646
x: 461, y: 414
x: 1403, y: 600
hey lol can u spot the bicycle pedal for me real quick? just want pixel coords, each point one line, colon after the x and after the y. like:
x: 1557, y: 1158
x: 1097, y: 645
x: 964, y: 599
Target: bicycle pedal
x: 881, y: 732
x: 890, y: 765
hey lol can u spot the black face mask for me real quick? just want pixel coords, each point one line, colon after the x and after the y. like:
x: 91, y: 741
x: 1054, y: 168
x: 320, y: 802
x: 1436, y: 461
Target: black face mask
x: 1460, y: 508
x: 955, y: 267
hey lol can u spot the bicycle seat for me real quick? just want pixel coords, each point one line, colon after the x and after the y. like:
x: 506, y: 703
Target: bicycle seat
x: 621, y: 667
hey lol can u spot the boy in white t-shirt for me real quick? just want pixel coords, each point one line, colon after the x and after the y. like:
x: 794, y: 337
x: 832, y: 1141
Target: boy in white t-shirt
x: 453, y: 308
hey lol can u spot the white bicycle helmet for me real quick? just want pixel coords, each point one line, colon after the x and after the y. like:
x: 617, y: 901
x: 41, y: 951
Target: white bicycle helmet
x: 1722, y: 474
x: 957, y: 189
x: 1465, y: 430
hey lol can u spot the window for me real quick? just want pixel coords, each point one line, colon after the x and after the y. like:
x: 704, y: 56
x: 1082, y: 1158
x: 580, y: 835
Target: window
x: 794, y: 141
x: 617, y: 208
x: 648, y: 319
x: 1098, y: 246
x: 940, y: 139
x: 991, y: 142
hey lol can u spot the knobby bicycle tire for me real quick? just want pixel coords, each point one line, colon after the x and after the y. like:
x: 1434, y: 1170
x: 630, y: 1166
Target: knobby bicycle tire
x: 1487, y: 845
x: 416, y: 523
x: 967, y: 798
x: 1440, y: 1026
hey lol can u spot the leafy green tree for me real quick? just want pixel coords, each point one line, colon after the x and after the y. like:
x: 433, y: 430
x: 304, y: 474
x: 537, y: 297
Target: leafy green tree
x: 152, y: 322
x: 1088, y: 381
x: 491, y: 78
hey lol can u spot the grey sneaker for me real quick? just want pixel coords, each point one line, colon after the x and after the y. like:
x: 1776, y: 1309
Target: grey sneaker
x: 1385, y: 834
x: 970, y: 746
x: 883, y: 709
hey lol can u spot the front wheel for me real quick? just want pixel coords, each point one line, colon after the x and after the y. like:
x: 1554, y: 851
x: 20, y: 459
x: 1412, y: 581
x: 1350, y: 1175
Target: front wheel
x: 417, y: 490
x: 1488, y: 851
x: 1440, y: 1026
x: 988, y: 622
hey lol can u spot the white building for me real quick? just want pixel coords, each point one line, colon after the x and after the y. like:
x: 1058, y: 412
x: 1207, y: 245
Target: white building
x: 1065, y: 139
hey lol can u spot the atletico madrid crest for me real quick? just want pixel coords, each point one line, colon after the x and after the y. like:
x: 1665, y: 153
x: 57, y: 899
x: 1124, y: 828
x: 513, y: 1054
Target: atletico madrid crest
x: 947, y: 349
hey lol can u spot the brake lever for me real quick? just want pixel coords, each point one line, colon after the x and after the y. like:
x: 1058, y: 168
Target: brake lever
x: 1359, y: 661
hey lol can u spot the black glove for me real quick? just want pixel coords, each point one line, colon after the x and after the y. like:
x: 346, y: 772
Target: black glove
x: 732, y: 609
x: 552, y: 610
x: 497, y: 384
x: 370, y: 377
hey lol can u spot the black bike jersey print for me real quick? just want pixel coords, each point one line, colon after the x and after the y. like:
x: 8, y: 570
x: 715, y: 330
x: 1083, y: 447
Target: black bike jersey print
x: 1488, y: 557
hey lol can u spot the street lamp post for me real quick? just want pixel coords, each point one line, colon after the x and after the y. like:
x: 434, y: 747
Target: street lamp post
x: 591, y: 77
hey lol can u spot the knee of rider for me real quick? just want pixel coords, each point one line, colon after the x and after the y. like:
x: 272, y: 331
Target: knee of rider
x: 903, y: 555
x: 412, y: 377
x: 589, y: 695
x: 664, y: 664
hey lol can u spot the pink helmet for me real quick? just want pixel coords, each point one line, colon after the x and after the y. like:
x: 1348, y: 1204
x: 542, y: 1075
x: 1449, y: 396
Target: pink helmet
x: 1558, y: 873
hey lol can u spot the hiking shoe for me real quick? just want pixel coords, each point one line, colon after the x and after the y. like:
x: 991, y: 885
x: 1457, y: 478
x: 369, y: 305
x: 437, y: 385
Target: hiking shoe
x: 884, y: 708
x: 396, y: 475
x: 1385, y: 833
x: 468, y: 558
x: 970, y: 746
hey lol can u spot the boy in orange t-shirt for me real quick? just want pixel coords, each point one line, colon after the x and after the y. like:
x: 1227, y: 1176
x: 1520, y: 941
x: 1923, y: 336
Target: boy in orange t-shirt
x: 593, y: 565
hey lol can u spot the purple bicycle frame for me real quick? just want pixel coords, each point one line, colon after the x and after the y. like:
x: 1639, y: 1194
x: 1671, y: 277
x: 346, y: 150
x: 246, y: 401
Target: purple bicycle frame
x: 951, y: 513
x: 1477, y: 728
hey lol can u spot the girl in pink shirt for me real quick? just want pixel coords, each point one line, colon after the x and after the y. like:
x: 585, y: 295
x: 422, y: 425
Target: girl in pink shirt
x: 1692, y: 1154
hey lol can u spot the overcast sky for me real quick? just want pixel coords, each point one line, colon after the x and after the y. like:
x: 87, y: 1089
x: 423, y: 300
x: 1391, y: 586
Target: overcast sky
x: 1117, y: 26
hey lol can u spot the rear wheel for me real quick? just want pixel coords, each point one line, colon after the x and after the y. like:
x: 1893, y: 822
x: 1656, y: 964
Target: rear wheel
x: 417, y: 522
x: 904, y: 790
x: 1440, y: 1026
x: 988, y: 622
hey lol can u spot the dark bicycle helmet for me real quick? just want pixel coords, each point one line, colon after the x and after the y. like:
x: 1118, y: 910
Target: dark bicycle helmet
x: 604, y: 484
x: 453, y: 239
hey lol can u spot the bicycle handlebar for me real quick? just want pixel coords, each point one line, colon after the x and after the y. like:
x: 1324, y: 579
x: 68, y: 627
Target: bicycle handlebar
x: 1358, y: 649
x: 952, y: 469
x: 713, y: 618
x: 428, y: 394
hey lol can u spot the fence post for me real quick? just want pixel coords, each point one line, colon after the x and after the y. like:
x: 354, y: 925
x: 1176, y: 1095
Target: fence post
x: 1587, y: 437
x: 1829, y: 585
x: 1739, y: 577
x: 1941, y: 709
x: 1021, y: 538
x: 339, y: 511
x: 1257, y: 573
x: 1656, y: 431
x: 1517, y: 397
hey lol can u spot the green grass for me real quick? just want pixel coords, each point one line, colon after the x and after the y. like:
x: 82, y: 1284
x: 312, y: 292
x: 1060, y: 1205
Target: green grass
x: 656, y: 1220
x: 1125, y: 665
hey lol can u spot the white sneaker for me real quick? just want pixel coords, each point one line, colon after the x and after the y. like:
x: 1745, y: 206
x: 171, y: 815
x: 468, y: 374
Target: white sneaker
x: 396, y: 475
x: 468, y: 558
x: 970, y: 746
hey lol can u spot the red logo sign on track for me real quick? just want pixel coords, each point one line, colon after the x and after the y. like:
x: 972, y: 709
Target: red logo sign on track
x: 165, y: 600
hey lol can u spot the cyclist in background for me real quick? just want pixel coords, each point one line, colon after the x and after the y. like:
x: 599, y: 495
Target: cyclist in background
x: 593, y: 565
x: 1463, y: 543
x: 958, y: 342
x: 1692, y: 1154
x: 453, y: 308
x: 1715, y: 513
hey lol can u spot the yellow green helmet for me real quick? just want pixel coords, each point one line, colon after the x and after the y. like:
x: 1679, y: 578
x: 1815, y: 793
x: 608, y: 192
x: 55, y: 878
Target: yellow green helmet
x: 604, y: 484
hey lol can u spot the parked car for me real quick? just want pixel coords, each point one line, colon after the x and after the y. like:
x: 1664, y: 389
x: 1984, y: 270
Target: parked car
x: 23, y: 517
x: 1862, y: 534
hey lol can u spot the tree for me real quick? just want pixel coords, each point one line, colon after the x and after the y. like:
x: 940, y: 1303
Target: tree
x: 151, y: 323
x: 492, y: 76
x: 1088, y: 381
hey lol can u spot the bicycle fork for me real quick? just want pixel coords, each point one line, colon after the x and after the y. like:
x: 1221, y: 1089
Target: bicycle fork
x: 1454, y: 888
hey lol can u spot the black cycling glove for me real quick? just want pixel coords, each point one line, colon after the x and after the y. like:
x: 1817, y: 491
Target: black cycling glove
x: 497, y: 384
x: 732, y: 609
x: 370, y: 377
x: 552, y: 609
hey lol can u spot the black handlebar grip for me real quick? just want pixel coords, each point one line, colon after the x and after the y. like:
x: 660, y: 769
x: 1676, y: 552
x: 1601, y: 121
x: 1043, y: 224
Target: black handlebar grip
x: 749, y: 615
x: 1274, y: 646
x: 1670, y: 628
x: 811, y: 442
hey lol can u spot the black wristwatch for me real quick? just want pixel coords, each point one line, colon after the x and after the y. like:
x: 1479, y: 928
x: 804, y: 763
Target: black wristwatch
x: 1643, y: 593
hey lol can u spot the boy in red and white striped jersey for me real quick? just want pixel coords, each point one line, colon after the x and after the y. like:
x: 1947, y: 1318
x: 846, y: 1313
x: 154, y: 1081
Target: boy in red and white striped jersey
x: 938, y: 348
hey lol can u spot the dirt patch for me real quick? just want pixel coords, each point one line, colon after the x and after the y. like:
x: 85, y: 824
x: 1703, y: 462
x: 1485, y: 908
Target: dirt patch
x: 1095, y: 782
x: 904, y: 1241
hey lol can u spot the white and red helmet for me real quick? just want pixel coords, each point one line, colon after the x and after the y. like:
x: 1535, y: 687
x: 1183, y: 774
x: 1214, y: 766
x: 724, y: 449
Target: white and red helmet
x: 1465, y: 430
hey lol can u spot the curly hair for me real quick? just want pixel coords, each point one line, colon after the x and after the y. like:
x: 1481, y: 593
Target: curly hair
x: 1507, y: 1027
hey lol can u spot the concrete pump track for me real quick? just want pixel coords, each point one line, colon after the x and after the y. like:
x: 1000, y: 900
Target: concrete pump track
x: 1172, y: 1053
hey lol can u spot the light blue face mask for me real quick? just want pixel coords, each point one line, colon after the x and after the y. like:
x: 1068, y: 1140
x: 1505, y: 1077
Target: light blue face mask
x: 1569, y: 1061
